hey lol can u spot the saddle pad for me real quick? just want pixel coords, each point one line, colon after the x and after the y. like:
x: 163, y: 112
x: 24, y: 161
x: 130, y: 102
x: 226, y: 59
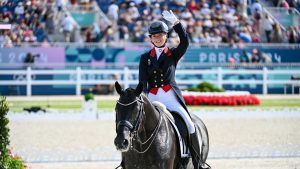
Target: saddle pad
x: 184, y: 152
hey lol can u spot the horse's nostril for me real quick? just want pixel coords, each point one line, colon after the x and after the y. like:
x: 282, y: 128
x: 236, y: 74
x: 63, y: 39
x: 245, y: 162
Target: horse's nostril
x: 121, y: 143
x: 125, y: 143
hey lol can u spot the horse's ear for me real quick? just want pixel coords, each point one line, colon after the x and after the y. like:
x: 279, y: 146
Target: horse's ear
x: 139, y: 89
x: 118, y: 88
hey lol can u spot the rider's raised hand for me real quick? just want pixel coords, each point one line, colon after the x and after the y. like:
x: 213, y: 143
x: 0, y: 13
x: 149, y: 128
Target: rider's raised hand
x: 169, y: 16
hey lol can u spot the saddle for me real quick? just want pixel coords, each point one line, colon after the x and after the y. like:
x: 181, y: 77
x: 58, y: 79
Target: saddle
x: 179, y: 126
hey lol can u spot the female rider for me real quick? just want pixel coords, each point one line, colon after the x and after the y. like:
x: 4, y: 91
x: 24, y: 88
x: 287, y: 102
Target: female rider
x: 157, y: 72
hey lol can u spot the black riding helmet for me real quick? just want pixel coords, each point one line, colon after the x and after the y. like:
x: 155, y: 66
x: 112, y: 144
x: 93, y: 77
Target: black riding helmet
x: 158, y: 27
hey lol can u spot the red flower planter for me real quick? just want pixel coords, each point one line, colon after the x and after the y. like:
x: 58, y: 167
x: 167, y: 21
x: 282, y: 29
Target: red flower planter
x: 225, y: 100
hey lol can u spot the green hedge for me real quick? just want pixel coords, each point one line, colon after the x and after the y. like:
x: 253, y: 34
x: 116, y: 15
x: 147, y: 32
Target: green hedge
x: 89, y: 96
x: 7, y: 159
x: 206, y: 87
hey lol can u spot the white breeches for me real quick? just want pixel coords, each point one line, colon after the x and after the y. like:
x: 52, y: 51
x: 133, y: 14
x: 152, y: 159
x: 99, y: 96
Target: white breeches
x: 170, y: 100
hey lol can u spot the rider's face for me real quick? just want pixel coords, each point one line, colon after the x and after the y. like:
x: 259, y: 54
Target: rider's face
x: 158, y: 39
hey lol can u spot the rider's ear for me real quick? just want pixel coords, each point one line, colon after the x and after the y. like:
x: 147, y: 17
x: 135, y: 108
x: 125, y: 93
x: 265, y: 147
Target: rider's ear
x: 118, y: 88
x: 139, y: 88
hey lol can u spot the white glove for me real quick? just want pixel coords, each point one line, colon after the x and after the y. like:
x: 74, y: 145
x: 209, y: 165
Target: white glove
x: 169, y: 16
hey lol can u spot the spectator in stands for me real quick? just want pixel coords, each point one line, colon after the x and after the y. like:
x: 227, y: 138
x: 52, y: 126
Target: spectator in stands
x: 88, y: 34
x: 255, y: 37
x: 68, y: 25
x: 256, y: 20
x: 122, y: 9
x: 28, y: 36
x: 19, y: 10
x: 292, y: 35
x: 156, y: 12
x: 59, y: 5
x: 245, y: 57
x: 123, y: 33
x: 100, y: 32
x: 256, y: 6
x: 49, y: 21
x: 242, y: 7
x: 268, y: 27
x: 256, y: 56
x: 205, y: 11
x: 133, y: 11
x: 284, y: 4
x: 245, y: 36
x: 138, y: 35
x: 96, y: 32
x: 207, y: 24
x: 193, y: 6
x: 191, y: 33
x: 178, y: 4
x: 186, y: 14
x: 40, y: 33
x: 277, y: 34
x: 113, y: 11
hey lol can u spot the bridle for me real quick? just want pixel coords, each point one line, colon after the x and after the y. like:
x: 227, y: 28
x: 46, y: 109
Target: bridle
x: 133, y: 128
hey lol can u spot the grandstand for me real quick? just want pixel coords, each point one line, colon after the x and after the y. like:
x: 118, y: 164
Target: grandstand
x: 51, y: 48
x: 224, y: 21
x: 98, y: 34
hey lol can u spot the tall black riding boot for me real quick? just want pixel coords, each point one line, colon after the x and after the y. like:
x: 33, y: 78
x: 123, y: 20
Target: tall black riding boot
x: 196, y: 153
x: 195, y: 150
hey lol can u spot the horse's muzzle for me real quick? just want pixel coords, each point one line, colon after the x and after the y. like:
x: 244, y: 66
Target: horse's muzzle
x: 122, y: 144
x: 122, y: 141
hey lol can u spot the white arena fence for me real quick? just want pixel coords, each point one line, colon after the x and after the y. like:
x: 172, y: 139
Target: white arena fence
x: 128, y: 77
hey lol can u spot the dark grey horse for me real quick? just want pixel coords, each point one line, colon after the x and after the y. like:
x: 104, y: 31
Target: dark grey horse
x: 145, y: 136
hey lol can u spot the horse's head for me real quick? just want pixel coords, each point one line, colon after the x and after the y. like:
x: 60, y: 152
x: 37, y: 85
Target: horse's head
x: 129, y: 110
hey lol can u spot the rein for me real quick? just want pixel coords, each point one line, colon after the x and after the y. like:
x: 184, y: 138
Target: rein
x: 152, y: 137
x: 134, y: 128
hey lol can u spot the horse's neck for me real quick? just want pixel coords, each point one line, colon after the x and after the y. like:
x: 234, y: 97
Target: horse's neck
x: 151, y: 115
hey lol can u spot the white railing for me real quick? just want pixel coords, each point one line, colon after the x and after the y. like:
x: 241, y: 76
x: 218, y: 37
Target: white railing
x: 129, y: 77
x: 286, y: 17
